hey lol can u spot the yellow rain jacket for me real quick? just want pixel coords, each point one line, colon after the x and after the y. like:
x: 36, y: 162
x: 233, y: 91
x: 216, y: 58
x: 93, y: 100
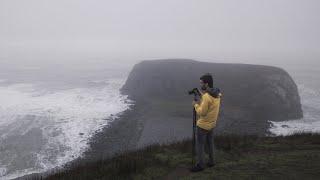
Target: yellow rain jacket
x: 208, y: 110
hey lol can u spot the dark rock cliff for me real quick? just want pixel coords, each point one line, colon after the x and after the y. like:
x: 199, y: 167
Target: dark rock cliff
x: 252, y: 94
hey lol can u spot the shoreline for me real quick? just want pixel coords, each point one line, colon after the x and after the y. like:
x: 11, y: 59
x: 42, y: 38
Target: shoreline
x: 112, y: 139
x: 123, y: 134
x: 157, y: 116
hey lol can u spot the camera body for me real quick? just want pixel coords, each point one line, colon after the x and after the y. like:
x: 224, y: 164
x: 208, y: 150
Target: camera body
x: 196, y: 93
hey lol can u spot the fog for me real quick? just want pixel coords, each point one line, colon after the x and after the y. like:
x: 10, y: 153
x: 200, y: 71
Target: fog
x: 74, y: 31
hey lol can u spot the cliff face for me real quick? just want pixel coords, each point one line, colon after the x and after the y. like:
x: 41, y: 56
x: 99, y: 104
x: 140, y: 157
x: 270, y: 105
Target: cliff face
x: 252, y: 94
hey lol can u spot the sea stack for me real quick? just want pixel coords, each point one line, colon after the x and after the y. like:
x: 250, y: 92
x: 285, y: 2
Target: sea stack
x: 252, y: 95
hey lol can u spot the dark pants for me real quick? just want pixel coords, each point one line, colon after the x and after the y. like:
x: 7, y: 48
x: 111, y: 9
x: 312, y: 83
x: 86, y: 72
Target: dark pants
x: 204, y: 137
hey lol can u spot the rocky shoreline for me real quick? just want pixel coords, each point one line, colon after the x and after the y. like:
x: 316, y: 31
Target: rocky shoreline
x: 162, y: 111
x: 120, y: 135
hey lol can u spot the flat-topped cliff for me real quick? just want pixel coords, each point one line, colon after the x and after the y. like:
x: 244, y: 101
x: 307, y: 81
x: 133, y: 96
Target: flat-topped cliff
x: 252, y: 95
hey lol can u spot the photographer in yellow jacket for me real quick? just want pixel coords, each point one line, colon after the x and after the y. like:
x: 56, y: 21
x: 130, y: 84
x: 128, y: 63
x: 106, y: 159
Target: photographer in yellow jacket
x: 207, y: 110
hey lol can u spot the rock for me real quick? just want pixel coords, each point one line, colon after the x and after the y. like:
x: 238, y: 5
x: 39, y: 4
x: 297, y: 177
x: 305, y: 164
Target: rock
x: 252, y: 94
x: 284, y: 126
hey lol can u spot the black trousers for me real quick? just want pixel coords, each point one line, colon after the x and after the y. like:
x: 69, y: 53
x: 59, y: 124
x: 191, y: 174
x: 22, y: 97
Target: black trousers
x: 204, y: 137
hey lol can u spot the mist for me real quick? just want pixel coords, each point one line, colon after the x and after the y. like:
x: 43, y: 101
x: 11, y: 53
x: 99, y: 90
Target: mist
x: 67, y: 76
x: 82, y: 31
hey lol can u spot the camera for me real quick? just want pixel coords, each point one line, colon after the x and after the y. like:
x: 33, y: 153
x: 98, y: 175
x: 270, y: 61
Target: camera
x: 195, y: 92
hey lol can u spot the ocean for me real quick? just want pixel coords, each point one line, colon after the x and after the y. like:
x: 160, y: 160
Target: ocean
x: 49, y: 113
x: 307, y: 78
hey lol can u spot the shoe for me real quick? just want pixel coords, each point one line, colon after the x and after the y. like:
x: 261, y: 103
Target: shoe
x: 211, y: 164
x: 196, y: 168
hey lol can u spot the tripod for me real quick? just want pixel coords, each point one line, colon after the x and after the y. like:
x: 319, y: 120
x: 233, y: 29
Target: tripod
x: 196, y: 94
x: 194, y: 134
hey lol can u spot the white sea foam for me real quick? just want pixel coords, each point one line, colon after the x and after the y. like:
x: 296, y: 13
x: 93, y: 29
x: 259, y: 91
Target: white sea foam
x: 310, y: 100
x: 67, y: 119
x: 3, y: 171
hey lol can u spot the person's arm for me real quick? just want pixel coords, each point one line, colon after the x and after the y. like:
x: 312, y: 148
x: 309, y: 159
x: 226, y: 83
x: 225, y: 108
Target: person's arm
x: 202, y: 108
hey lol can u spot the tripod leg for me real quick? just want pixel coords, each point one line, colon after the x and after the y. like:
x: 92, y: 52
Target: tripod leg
x: 193, y: 137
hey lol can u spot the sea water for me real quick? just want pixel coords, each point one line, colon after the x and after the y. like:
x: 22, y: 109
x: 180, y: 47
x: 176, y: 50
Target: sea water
x: 307, y: 78
x: 48, y: 114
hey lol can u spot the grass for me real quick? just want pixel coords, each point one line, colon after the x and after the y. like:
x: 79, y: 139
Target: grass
x: 238, y: 157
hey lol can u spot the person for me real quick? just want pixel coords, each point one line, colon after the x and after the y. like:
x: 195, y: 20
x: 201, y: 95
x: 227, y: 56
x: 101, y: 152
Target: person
x: 207, y: 114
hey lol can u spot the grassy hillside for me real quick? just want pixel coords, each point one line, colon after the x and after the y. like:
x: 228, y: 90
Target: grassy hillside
x: 238, y: 157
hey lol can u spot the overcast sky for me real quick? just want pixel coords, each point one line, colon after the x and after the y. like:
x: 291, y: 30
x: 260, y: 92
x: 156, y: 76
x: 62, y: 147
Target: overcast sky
x: 217, y: 30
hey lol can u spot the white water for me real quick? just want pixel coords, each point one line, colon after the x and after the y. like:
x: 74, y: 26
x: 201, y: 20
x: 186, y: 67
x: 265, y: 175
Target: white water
x: 44, y: 124
x: 47, y: 118
x: 308, y: 82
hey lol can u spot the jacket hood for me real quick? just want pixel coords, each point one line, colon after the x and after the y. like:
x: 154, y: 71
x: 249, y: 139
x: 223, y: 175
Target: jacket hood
x: 214, y: 92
